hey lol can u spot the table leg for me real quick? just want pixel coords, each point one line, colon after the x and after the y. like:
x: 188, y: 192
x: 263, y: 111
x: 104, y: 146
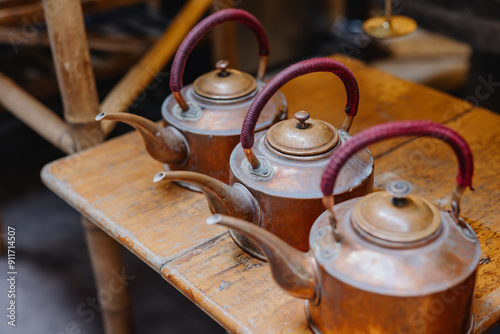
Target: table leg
x: 110, y: 278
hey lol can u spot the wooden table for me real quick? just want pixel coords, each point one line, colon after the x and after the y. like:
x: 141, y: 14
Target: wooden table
x: 164, y: 224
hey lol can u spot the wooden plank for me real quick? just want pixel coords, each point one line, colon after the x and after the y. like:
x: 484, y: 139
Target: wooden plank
x: 235, y: 289
x: 113, y: 185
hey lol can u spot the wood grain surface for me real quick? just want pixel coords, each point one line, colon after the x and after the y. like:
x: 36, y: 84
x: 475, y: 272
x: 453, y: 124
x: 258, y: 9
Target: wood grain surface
x: 163, y: 224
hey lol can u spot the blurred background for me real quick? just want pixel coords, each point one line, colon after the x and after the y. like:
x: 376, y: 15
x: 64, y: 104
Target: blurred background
x: 455, y: 49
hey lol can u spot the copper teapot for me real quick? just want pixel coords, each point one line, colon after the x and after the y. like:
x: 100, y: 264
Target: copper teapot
x: 282, y: 169
x: 381, y: 263
x: 202, y: 121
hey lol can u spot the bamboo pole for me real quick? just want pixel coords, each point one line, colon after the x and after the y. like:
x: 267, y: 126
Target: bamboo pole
x: 75, y: 76
x: 107, y: 262
x: 14, y: 3
x: 18, y: 37
x: 20, y: 15
x: 140, y: 76
x: 28, y: 14
x: 35, y: 115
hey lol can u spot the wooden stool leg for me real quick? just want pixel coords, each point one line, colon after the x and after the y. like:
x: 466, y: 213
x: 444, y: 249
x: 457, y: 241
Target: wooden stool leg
x: 109, y: 274
x: 76, y: 81
x: 75, y: 76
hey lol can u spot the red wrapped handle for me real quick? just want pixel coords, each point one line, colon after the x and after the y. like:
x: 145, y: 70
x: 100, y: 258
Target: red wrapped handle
x: 294, y: 71
x: 400, y: 129
x: 205, y: 25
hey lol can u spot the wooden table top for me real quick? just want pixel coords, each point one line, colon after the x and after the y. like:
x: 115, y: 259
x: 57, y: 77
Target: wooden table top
x: 164, y: 224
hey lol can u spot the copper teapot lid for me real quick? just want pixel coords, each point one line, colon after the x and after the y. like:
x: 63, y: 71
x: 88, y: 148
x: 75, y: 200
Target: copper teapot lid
x: 224, y: 83
x: 395, y: 215
x: 302, y: 136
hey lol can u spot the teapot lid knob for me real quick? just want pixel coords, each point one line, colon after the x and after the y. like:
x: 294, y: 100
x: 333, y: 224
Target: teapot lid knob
x: 302, y: 117
x: 399, y: 190
x: 222, y: 65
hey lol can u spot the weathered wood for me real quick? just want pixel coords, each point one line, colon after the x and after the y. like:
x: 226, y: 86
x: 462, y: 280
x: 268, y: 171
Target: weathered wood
x: 171, y: 212
x: 17, y: 37
x: 14, y: 3
x: 109, y: 274
x: 163, y: 224
x: 74, y: 71
x: 235, y: 289
x: 20, y: 15
x: 141, y: 75
x: 36, y: 115
x: 29, y: 13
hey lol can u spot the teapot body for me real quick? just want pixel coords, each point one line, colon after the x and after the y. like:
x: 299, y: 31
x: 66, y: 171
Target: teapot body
x: 290, y: 198
x: 372, y: 287
x: 213, y: 130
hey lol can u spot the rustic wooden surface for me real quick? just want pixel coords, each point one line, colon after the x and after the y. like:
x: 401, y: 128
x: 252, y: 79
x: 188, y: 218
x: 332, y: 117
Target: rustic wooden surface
x: 163, y: 224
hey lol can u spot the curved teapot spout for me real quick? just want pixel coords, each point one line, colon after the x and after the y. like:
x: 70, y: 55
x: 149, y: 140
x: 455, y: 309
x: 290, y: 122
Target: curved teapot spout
x: 166, y: 145
x: 235, y: 201
x: 293, y: 270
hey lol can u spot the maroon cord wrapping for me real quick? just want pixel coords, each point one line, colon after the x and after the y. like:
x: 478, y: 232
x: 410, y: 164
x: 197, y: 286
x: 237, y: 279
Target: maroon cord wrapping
x: 205, y: 25
x: 294, y: 71
x: 400, y: 129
